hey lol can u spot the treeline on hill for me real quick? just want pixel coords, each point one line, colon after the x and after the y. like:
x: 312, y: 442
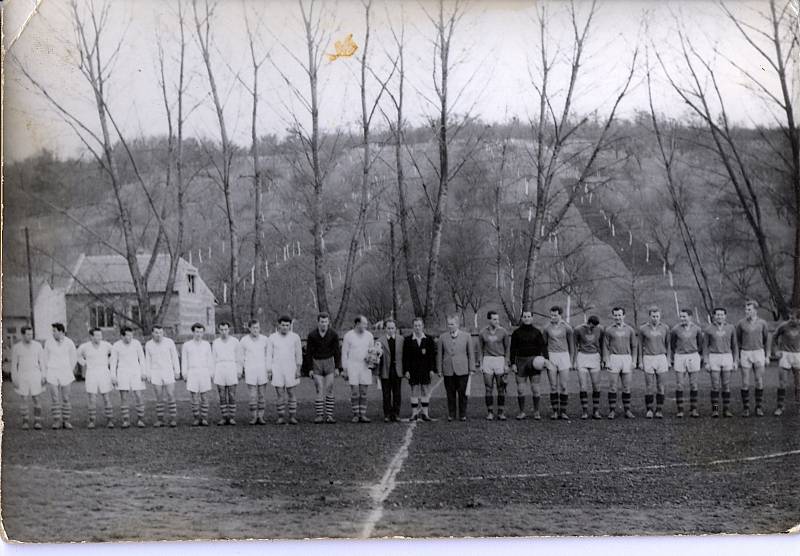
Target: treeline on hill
x: 630, y: 237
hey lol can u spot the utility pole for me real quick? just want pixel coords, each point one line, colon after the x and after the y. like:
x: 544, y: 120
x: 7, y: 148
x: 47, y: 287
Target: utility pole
x: 30, y: 278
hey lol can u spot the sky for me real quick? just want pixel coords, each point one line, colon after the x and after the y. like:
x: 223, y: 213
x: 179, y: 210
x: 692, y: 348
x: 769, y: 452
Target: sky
x: 495, y: 45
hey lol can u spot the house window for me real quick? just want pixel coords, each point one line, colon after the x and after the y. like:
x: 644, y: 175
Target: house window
x: 101, y: 316
x: 192, y: 279
x: 208, y: 316
x: 11, y: 330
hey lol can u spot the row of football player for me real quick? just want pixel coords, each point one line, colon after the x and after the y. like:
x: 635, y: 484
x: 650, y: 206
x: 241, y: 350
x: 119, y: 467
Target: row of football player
x: 527, y: 352
x: 655, y: 348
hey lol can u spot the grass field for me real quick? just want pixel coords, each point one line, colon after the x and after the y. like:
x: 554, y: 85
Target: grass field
x: 436, y: 479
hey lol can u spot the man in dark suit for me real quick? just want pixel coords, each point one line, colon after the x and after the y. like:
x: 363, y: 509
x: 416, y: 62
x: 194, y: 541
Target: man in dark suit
x: 391, y: 371
x: 419, y: 362
x: 455, y: 361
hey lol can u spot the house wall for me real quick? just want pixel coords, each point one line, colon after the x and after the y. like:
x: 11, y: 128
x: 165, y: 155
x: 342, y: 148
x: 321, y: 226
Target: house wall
x: 49, y: 306
x: 78, y: 315
x: 11, y: 332
x: 195, y: 307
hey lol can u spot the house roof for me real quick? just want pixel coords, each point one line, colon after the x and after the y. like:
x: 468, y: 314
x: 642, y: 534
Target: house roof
x: 111, y: 274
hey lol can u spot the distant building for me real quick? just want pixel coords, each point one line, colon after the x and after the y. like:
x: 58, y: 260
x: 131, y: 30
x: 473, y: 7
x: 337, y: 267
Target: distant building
x: 100, y: 294
x: 48, y: 307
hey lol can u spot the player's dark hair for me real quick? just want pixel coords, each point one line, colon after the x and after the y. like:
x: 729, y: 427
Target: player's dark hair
x: 158, y: 327
x: 124, y: 330
x: 685, y: 310
x: 24, y: 329
x: 284, y: 318
x: 723, y: 309
x: 387, y: 321
x: 91, y: 331
x: 618, y: 309
x: 654, y: 309
x: 557, y: 309
x: 593, y: 320
x: 251, y: 322
x: 752, y: 302
x: 418, y: 319
x: 224, y: 323
x: 322, y: 315
x: 197, y: 326
x: 522, y: 314
x: 490, y: 313
x: 58, y: 326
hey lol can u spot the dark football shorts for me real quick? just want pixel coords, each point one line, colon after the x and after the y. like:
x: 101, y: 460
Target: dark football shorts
x: 324, y: 367
x: 525, y: 366
x: 416, y: 377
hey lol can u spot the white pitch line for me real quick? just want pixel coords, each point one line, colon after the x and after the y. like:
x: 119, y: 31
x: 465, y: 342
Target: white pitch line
x: 381, y: 491
x: 655, y: 467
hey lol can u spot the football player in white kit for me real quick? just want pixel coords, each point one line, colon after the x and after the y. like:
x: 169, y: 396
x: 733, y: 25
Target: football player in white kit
x: 227, y: 371
x: 283, y: 368
x: 355, y: 345
x: 27, y: 375
x: 786, y: 342
x: 127, y: 370
x: 162, y: 369
x: 254, y: 349
x: 197, y: 365
x: 60, y: 358
x: 94, y: 357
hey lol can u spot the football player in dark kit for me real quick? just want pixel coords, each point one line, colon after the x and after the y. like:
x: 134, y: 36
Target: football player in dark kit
x: 528, y: 355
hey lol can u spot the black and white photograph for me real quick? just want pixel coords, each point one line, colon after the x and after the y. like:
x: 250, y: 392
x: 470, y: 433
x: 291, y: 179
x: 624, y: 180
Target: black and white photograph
x: 400, y: 269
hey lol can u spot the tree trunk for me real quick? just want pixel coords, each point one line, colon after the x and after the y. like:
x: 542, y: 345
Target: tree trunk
x: 358, y: 229
x: 439, y: 213
x: 227, y: 156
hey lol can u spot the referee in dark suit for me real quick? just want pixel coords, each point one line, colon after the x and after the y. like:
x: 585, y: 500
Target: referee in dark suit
x: 419, y: 362
x: 391, y: 371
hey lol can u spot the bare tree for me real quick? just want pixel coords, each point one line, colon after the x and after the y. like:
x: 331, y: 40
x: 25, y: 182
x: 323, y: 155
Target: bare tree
x: 174, y: 150
x: 259, y: 176
x: 202, y: 22
x: 397, y: 127
x: 553, y: 140
x: 310, y: 163
x: 667, y: 151
x: 775, y: 42
x: 96, y: 64
x: 448, y: 128
x: 367, y: 113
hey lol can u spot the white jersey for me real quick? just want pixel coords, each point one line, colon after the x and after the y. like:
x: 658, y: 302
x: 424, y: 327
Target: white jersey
x: 254, y: 352
x: 27, y: 368
x: 94, y: 357
x: 197, y: 365
x: 127, y: 364
x: 354, y: 350
x: 227, y: 361
x: 27, y: 359
x: 161, y: 361
x: 60, y: 360
x: 226, y: 352
x: 286, y: 353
